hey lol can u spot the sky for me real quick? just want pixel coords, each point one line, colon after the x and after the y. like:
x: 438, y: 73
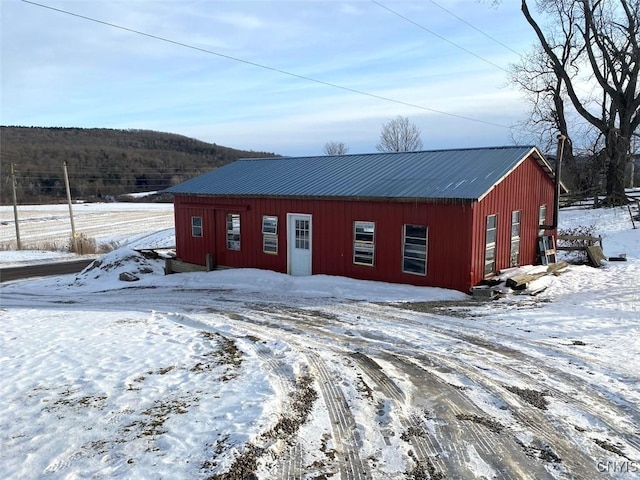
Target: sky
x: 233, y: 75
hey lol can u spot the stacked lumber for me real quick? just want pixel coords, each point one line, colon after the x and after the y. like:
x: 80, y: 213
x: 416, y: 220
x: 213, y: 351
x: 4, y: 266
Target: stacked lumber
x: 524, y: 276
x: 531, y: 279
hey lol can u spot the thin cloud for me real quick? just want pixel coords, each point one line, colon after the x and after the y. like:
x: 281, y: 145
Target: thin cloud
x: 62, y: 70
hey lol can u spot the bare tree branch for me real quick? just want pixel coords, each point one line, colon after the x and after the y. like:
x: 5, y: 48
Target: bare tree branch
x: 335, y: 148
x: 599, y: 40
x: 399, y: 135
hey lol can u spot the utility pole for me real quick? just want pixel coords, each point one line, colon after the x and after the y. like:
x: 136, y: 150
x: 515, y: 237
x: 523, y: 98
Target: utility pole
x: 73, y: 227
x: 560, y: 154
x: 15, y: 206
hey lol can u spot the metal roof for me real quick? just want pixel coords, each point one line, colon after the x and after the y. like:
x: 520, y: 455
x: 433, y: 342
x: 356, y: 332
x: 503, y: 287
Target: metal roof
x: 438, y: 174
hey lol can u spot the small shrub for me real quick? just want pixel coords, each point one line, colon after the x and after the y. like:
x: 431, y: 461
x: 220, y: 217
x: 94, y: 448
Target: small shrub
x: 578, y: 256
x: 83, y: 245
x: 49, y: 246
x: 580, y: 230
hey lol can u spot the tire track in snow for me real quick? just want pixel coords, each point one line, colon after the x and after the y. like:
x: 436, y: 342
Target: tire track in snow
x: 343, y: 424
x: 291, y: 462
x: 443, y: 447
x: 451, y: 431
x: 331, y: 333
x: 547, y: 431
x: 426, y: 449
x: 292, y: 467
x: 605, y: 410
x: 501, y: 461
x: 584, y: 399
x: 541, y: 425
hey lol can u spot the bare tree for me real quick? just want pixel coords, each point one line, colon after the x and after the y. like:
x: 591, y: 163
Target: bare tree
x: 545, y: 92
x: 399, y: 135
x: 598, y: 40
x: 335, y: 148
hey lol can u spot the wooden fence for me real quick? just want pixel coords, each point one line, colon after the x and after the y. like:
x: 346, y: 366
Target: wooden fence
x: 593, y: 198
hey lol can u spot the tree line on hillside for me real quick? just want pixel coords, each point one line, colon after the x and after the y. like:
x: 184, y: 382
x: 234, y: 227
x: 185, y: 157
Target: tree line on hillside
x: 102, y: 163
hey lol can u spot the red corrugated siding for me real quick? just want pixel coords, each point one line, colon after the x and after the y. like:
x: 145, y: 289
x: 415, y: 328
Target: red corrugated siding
x: 193, y: 249
x: 332, y: 243
x: 454, y: 260
x: 525, y: 189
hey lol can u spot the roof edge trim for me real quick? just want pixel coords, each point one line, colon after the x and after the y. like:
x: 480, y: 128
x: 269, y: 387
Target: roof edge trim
x: 333, y: 198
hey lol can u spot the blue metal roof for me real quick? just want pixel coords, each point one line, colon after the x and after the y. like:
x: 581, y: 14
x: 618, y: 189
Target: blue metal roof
x: 438, y: 174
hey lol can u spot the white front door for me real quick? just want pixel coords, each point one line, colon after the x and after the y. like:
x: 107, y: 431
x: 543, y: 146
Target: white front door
x: 298, y: 244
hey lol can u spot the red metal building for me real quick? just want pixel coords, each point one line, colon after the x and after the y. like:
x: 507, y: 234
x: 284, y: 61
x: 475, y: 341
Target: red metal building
x: 445, y: 218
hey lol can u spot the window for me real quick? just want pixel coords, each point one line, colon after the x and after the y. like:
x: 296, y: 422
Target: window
x: 270, y: 244
x: 233, y: 231
x: 490, y: 245
x: 414, y: 249
x: 302, y: 234
x: 515, y: 238
x: 542, y: 215
x: 363, y: 242
x: 196, y: 226
x: 270, y: 234
x: 269, y: 225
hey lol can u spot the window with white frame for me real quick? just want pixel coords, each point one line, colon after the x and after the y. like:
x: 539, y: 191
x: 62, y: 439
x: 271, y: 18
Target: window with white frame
x: 490, y: 245
x: 270, y: 234
x: 515, y: 238
x: 302, y: 228
x: 363, y: 242
x: 414, y: 249
x: 196, y: 226
x: 233, y: 231
x: 542, y: 215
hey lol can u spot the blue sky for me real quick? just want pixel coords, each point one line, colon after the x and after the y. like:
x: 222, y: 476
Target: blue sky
x: 61, y: 70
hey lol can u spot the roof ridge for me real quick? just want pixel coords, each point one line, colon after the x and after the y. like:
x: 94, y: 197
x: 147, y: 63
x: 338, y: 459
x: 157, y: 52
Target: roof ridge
x: 461, y: 173
x: 371, y: 154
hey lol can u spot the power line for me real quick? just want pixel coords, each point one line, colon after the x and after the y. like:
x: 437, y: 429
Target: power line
x: 474, y: 27
x: 273, y: 69
x: 439, y: 36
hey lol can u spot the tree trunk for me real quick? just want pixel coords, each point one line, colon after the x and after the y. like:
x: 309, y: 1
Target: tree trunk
x: 574, y: 175
x: 617, y: 153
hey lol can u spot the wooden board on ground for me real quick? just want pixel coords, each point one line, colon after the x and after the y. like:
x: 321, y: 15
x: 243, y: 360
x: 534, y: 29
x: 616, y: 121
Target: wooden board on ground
x: 596, y: 255
x: 520, y: 281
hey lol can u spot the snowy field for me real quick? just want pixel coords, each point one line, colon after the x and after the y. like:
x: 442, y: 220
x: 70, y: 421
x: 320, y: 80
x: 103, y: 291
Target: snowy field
x: 49, y: 225
x: 243, y: 374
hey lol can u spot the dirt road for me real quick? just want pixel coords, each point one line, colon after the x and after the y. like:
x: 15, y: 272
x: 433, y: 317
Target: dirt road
x: 434, y: 397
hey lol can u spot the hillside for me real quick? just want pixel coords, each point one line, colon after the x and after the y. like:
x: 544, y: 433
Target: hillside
x: 102, y: 162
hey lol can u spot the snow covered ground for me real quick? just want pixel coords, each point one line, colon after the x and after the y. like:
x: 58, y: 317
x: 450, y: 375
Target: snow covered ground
x: 241, y: 374
x: 49, y: 225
